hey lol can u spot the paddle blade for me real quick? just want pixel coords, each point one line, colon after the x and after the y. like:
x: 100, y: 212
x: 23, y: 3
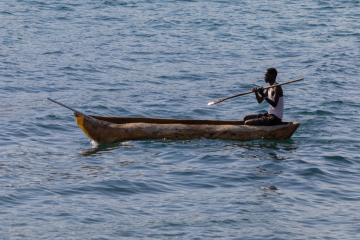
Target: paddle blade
x: 216, y: 101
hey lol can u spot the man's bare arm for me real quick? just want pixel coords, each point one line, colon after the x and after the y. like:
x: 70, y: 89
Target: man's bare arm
x: 259, y: 98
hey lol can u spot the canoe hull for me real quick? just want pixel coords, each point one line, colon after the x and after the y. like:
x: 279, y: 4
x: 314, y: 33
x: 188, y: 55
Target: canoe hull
x: 108, y: 132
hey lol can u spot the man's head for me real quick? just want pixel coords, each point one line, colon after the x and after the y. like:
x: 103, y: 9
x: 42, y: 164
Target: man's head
x: 270, y: 75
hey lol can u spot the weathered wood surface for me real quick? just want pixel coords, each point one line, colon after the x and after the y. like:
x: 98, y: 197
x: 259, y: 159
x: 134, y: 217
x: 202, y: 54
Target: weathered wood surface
x: 111, y: 129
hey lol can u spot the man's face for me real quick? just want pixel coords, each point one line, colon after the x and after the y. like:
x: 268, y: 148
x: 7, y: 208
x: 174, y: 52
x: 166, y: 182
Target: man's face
x: 267, y: 77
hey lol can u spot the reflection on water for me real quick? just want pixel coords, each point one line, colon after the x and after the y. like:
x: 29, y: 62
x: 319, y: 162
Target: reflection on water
x: 270, y: 149
x: 105, y: 147
x: 287, y: 145
x: 261, y: 149
x: 277, y: 157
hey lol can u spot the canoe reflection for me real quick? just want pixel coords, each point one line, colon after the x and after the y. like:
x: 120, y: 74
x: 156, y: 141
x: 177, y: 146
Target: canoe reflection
x: 105, y: 147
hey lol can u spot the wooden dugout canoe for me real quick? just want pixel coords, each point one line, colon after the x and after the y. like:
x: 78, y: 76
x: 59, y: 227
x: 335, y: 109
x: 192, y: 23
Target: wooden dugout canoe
x: 115, y: 129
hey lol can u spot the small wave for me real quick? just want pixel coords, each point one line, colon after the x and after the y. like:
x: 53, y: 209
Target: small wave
x: 94, y: 144
x: 339, y: 159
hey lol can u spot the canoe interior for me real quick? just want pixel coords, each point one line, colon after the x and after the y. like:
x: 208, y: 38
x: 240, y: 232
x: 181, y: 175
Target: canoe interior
x: 122, y: 120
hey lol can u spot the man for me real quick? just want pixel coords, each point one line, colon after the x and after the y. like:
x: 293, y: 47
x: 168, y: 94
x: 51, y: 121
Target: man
x: 274, y: 96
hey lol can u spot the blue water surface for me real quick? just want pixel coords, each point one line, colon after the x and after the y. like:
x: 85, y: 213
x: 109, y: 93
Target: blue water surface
x: 168, y: 59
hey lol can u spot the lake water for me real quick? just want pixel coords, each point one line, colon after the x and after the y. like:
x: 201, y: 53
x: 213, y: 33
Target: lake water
x: 168, y: 59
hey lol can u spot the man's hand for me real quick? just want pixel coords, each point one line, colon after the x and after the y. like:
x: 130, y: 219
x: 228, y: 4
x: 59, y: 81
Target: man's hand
x: 256, y: 91
x: 261, y: 91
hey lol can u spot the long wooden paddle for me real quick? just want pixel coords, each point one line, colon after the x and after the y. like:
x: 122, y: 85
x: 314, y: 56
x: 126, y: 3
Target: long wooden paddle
x: 241, y: 94
x: 69, y: 108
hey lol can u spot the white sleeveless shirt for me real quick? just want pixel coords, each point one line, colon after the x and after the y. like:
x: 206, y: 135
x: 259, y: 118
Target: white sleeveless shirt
x: 279, y: 109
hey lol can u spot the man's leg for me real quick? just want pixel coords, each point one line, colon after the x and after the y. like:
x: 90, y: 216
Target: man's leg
x: 256, y: 121
x: 265, y: 120
x: 252, y: 116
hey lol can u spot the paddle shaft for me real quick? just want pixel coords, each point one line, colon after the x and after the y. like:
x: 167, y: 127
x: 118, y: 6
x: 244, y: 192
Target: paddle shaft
x: 241, y: 94
x: 69, y: 108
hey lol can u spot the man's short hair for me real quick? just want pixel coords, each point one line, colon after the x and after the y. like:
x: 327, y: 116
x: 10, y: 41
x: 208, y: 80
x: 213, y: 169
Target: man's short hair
x: 272, y: 71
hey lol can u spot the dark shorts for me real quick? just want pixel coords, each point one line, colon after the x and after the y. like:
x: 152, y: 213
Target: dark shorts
x: 265, y: 119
